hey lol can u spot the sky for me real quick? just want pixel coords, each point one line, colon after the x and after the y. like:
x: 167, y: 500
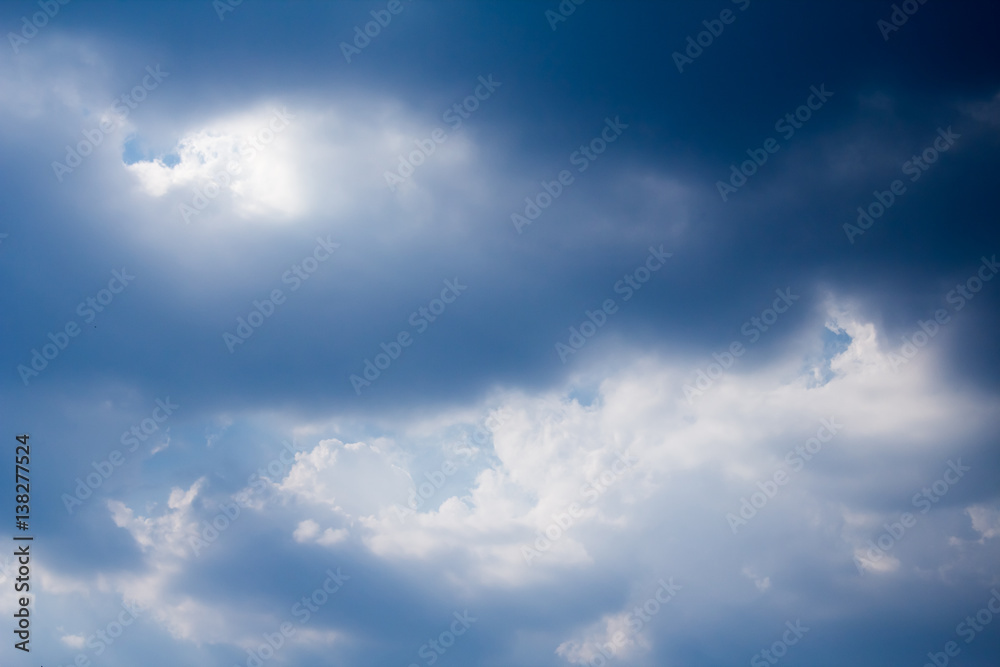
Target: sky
x: 426, y: 332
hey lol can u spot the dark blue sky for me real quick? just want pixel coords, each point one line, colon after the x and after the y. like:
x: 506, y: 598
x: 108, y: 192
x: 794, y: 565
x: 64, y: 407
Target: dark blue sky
x: 228, y: 158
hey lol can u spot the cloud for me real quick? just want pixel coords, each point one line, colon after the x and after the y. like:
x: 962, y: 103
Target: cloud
x: 596, y: 477
x: 597, y: 644
x: 164, y: 534
x: 985, y: 112
x: 64, y: 74
x: 306, y: 531
x: 985, y: 520
x: 352, y: 479
x: 247, y: 158
x: 551, y: 452
x: 276, y: 162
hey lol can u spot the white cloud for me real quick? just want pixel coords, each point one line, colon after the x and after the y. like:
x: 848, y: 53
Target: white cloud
x: 551, y: 445
x: 985, y: 520
x: 331, y: 536
x: 274, y: 163
x: 762, y: 583
x: 612, y: 637
x: 306, y: 531
x: 168, y: 532
x: 353, y: 480
x: 692, y: 463
x: 247, y: 159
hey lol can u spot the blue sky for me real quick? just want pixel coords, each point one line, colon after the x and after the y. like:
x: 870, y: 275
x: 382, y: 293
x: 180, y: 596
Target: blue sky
x: 508, y: 333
